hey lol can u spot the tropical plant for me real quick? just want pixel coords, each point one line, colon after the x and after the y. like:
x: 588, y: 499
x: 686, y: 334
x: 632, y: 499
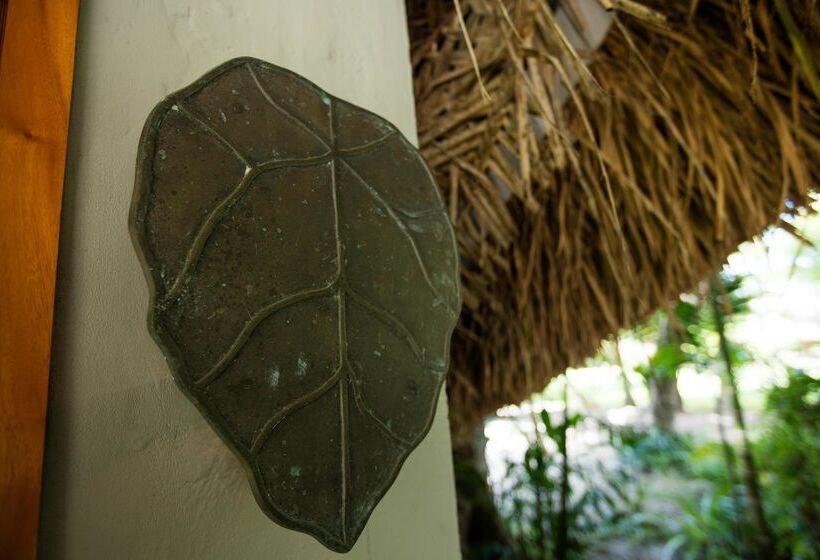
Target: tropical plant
x: 789, y: 456
x: 713, y: 525
x: 651, y: 449
x: 704, y: 530
x: 726, y: 303
x: 554, y: 508
x: 675, y: 332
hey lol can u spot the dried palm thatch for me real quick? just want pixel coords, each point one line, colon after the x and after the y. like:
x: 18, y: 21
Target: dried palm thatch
x: 696, y: 126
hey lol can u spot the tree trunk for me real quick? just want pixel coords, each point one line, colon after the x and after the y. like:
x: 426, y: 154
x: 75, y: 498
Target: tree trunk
x: 663, y: 392
x: 731, y: 465
x: 764, y: 543
x: 665, y: 399
x: 628, y: 399
x: 480, y: 526
x: 562, y: 540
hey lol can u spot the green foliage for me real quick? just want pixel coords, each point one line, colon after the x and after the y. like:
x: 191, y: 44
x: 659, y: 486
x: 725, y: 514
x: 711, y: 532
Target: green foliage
x: 705, y: 530
x: 597, y: 498
x: 687, y: 335
x: 707, y: 462
x: 713, y: 522
x: 789, y: 454
x: 667, y: 359
x: 651, y: 449
x: 716, y: 520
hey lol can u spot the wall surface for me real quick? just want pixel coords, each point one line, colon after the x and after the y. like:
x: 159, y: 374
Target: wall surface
x: 132, y: 470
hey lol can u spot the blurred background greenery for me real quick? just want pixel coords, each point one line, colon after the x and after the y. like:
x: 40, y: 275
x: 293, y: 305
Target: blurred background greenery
x: 694, y: 435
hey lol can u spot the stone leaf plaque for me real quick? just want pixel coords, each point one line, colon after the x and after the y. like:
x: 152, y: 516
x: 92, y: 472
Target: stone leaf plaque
x: 304, y: 286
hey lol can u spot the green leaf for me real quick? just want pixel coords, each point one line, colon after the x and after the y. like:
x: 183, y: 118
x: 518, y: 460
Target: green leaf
x: 667, y: 359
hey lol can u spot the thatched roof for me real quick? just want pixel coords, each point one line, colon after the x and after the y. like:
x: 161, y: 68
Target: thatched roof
x: 696, y: 127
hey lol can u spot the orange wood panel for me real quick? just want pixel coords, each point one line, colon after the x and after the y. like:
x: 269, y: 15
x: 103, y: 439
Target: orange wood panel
x: 36, y: 68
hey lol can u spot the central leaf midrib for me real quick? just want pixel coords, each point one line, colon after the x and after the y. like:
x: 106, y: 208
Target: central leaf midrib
x: 342, y: 326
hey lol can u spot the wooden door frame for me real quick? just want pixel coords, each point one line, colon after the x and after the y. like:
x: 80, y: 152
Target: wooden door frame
x: 36, y: 71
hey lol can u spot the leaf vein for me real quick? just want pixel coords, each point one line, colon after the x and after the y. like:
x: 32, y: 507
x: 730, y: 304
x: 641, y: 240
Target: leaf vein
x: 273, y: 423
x: 211, y: 130
x: 290, y: 116
x: 342, y: 332
x: 395, y: 325
x: 403, y: 228
x: 251, y: 326
x: 206, y: 229
x: 367, y: 145
x: 361, y: 404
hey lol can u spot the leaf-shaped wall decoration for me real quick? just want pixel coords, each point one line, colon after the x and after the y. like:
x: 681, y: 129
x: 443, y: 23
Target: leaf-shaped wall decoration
x: 304, y: 282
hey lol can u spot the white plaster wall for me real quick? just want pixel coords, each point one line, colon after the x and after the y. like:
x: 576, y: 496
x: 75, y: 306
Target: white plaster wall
x: 132, y: 470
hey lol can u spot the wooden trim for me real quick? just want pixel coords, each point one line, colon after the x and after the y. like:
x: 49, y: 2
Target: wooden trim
x: 37, y: 63
x: 4, y: 8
